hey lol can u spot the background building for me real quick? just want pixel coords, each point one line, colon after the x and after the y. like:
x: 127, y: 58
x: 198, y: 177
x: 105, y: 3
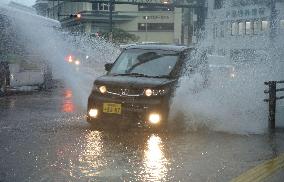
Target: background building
x: 245, y: 25
x: 193, y: 21
x: 151, y: 23
x: 41, y: 7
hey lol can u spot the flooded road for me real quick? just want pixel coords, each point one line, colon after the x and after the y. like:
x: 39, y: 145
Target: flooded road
x: 44, y: 137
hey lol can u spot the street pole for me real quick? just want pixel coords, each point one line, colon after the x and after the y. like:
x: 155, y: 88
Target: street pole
x: 273, y: 20
x: 58, y: 10
x: 53, y: 9
x: 146, y: 28
x: 111, y: 2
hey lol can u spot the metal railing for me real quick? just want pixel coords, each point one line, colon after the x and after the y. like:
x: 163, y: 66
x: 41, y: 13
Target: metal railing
x: 272, y: 93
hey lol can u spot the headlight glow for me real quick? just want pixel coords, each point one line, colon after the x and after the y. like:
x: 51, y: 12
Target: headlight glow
x: 148, y: 92
x: 93, y: 113
x: 154, y: 118
x: 155, y: 92
x: 103, y: 89
x: 77, y: 62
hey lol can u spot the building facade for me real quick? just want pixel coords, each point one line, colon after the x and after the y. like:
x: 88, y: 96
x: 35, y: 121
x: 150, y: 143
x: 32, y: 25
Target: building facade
x: 151, y: 23
x: 41, y: 7
x: 239, y: 28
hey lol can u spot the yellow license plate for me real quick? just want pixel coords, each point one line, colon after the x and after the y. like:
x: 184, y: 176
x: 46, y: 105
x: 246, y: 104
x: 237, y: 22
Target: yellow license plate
x: 112, y: 108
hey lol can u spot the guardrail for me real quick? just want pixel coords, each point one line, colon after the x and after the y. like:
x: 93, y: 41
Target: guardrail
x: 272, y: 90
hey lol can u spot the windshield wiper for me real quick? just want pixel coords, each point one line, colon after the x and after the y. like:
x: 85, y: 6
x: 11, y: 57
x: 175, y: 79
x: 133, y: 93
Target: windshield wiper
x: 142, y: 75
x: 132, y: 74
x: 162, y: 76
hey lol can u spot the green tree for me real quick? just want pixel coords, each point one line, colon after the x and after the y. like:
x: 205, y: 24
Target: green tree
x: 120, y: 36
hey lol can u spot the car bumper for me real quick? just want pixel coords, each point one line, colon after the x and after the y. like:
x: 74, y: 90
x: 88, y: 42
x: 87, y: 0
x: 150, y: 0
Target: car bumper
x: 134, y: 110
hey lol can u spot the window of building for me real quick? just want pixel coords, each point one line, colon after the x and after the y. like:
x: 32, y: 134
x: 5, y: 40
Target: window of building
x: 241, y: 28
x: 218, y: 4
x: 261, y: 11
x: 95, y: 6
x: 247, y: 12
x: 235, y: 28
x: 222, y: 34
x: 254, y: 12
x: 215, y: 31
x: 256, y: 27
x: 101, y: 6
x: 156, y: 26
x: 282, y: 24
x: 154, y: 8
x: 240, y: 13
x: 234, y: 13
x: 248, y: 28
x: 264, y: 25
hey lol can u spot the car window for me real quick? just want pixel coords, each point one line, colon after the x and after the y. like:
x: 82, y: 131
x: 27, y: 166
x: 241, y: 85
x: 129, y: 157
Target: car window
x: 146, y: 62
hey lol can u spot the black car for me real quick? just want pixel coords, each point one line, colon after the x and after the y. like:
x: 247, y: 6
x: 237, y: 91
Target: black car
x: 138, y: 86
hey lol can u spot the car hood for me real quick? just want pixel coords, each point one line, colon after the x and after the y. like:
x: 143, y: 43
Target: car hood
x: 131, y: 81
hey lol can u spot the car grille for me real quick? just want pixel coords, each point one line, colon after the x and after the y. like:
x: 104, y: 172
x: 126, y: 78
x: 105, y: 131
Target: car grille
x: 135, y: 92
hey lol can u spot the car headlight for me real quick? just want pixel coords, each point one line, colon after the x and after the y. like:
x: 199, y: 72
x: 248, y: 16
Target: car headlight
x: 155, y: 118
x: 77, y: 62
x: 102, y: 89
x: 155, y: 92
x: 148, y: 92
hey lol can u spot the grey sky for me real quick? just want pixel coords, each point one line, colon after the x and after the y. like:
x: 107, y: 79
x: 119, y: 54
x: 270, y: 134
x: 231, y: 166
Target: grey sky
x: 24, y: 2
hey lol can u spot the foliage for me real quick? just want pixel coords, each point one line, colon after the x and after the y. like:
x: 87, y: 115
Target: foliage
x: 120, y: 36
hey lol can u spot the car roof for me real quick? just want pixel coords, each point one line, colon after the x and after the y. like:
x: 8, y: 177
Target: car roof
x: 159, y: 47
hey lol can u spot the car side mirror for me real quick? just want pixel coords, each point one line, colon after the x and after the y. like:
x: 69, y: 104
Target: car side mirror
x: 108, y: 66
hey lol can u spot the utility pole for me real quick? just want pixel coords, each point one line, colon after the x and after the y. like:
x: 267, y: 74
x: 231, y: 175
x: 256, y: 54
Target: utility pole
x: 111, y: 3
x: 53, y: 9
x: 146, y: 28
x: 273, y: 20
x: 58, y: 14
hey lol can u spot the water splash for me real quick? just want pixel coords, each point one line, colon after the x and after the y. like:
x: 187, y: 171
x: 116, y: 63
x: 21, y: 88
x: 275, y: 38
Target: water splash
x: 38, y: 35
x: 232, y: 104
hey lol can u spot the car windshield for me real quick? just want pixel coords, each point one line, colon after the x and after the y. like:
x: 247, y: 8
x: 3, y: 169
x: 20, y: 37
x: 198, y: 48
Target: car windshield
x: 152, y: 63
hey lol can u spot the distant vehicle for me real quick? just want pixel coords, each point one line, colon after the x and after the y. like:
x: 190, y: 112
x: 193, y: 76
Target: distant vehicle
x: 24, y: 74
x: 21, y: 70
x: 71, y: 59
x: 139, y: 85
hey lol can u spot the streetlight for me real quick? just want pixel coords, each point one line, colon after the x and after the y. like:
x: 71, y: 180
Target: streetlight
x: 146, y: 27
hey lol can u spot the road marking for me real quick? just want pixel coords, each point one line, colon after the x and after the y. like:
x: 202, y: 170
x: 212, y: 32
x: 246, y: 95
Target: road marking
x: 262, y: 171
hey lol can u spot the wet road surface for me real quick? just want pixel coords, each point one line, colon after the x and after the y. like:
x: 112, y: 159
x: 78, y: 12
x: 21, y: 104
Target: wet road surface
x: 44, y: 137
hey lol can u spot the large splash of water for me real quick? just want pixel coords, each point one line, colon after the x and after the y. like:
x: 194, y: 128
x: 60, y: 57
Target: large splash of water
x: 233, y: 104
x: 39, y: 36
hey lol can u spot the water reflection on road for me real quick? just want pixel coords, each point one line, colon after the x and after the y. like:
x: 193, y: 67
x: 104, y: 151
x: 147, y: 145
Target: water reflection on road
x: 90, y: 158
x: 154, y: 160
x: 115, y: 155
x: 137, y: 155
x: 68, y: 104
